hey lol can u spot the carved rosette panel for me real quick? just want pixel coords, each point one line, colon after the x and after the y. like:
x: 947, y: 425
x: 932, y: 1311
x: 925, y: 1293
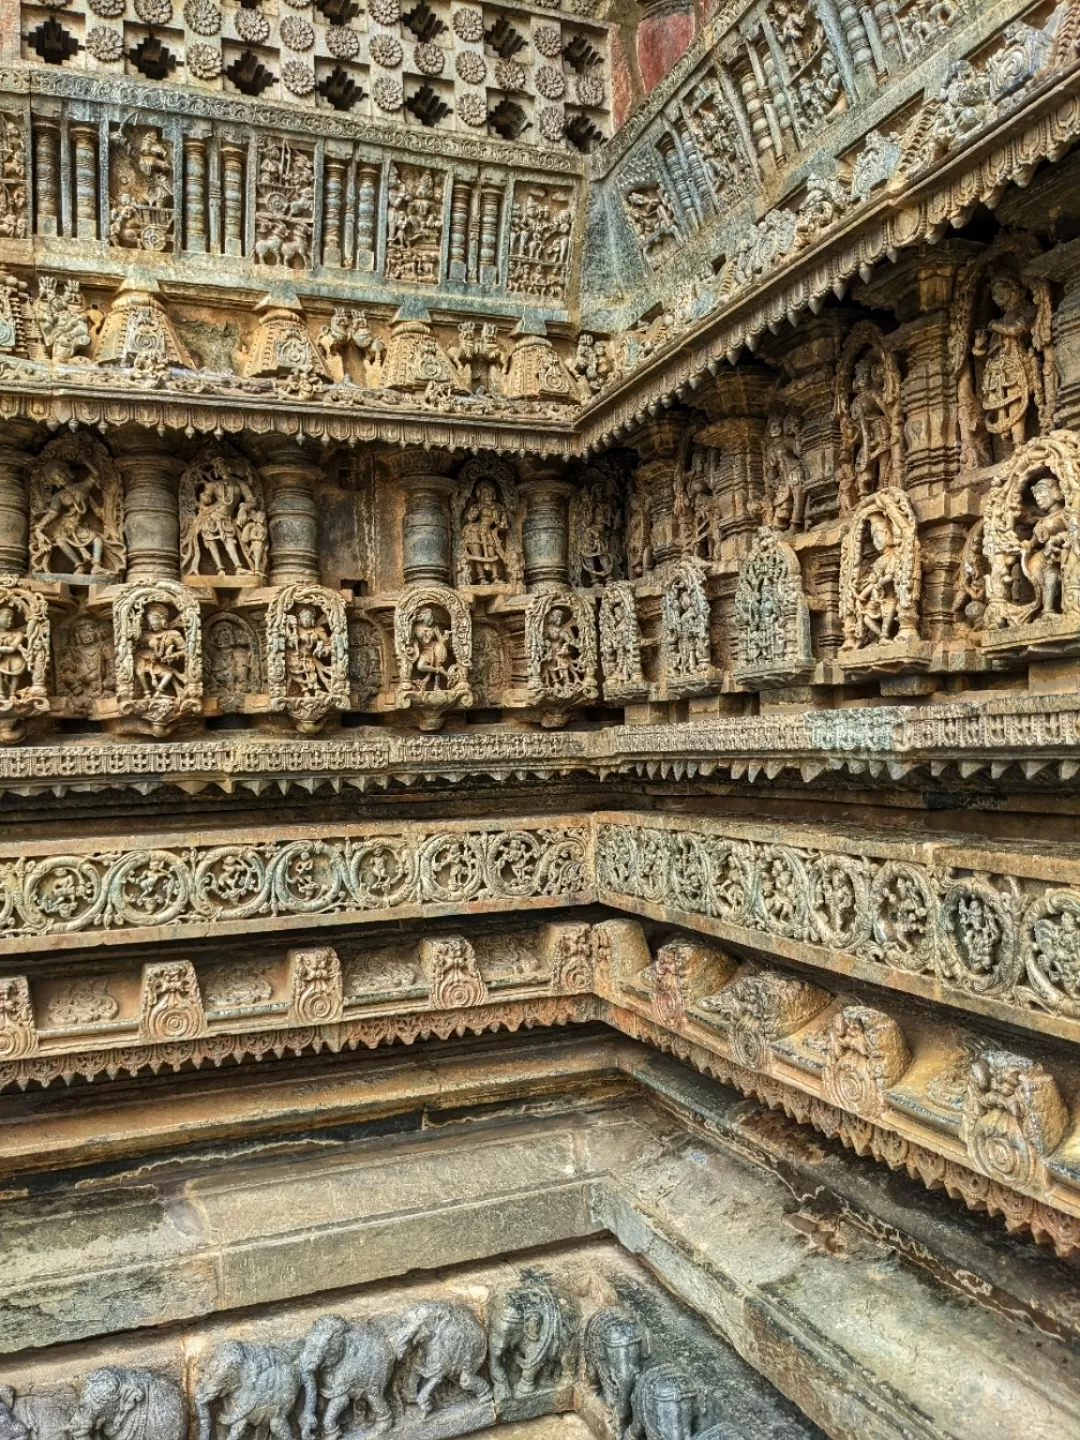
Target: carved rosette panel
x: 454, y: 977
x: 1031, y: 541
x: 433, y: 648
x: 76, y: 509
x: 223, y: 529
x: 772, y: 618
x: 560, y: 648
x: 158, y: 645
x: 760, y: 1008
x: 685, y: 620
x: 486, y: 517
x: 315, y: 993
x: 620, y: 643
x: 18, y: 1035
x: 171, y: 1006
x: 1013, y: 1116
x: 880, y: 575
x: 24, y: 650
x: 867, y: 1053
x: 307, y: 653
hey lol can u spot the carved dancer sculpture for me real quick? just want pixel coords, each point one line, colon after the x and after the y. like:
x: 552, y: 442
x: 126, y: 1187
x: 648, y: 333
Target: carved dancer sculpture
x: 223, y: 527
x: 307, y: 653
x: 530, y: 1337
x: 685, y: 620
x: 442, y: 1341
x: 158, y: 643
x: 343, y: 1364
x: 560, y: 645
x: 868, y: 407
x: 616, y: 1348
x: 880, y: 576
x: 76, y: 509
x: 433, y: 645
x: 256, y: 1388
x: 484, y: 514
x: 116, y: 1403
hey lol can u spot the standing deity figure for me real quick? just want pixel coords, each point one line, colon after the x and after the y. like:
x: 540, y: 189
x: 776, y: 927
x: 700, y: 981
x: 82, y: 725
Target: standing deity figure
x: 160, y: 654
x: 784, y: 473
x: 308, y: 652
x: 869, y: 411
x: 71, y: 522
x: 76, y: 509
x: 1011, y: 377
x: 14, y: 657
x: 876, y: 598
x: 222, y: 516
x: 432, y: 651
x: 484, y: 532
x: 685, y: 622
x: 880, y: 578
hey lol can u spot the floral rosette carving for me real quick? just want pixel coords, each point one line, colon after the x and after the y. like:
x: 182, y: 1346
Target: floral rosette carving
x: 472, y: 108
x: 454, y: 978
x: 433, y: 648
x: 902, y: 911
x: 1050, y: 952
x: 551, y: 123
x: 342, y: 42
x: 252, y: 26
x: 388, y: 93
x: 24, y: 655
x: 550, y: 82
x: 429, y: 59
x: 158, y: 645
x: 547, y: 41
x: 560, y: 647
x: 171, y: 1005
x: 315, y: 994
x: 154, y: 12
x: 18, y: 1035
x: 104, y: 44
x: 307, y: 653
x: 297, y: 32
x: 979, y: 947
x: 867, y: 1053
x: 468, y: 25
x: 470, y: 66
x: 202, y: 16
x: 386, y: 51
x: 203, y: 61
x: 385, y: 12
x: 1013, y: 1117
x: 298, y: 77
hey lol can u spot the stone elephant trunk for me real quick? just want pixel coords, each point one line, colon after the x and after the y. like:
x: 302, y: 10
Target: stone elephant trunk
x: 258, y: 1386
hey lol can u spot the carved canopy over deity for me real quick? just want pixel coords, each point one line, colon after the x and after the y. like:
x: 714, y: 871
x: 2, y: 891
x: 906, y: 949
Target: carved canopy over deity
x: 158, y: 642
x: 1001, y: 353
x: 880, y: 575
x: 307, y: 653
x: 771, y: 614
x: 76, y: 510
x: 433, y: 647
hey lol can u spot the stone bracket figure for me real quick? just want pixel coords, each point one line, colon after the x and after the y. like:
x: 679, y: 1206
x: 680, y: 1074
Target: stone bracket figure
x: 158, y: 644
x: 433, y: 648
x: 772, y: 618
x: 307, y: 654
x: 560, y: 647
x: 24, y: 657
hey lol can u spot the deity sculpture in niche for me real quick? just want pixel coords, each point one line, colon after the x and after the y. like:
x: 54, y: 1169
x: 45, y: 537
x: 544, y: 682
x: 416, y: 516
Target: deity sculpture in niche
x: 142, y: 211
x: 76, y: 511
x: 1031, y: 540
x: 284, y: 204
x: 684, y: 628
x: 697, y: 513
x: 596, y: 550
x: 880, y: 574
x: 433, y: 647
x: 771, y: 615
x: 414, y: 214
x: 620, y: 644
x: 84, y: 663
x: 365, y: 658
x: 652, y: 218
x: 639, y: 543
x: 541, y: 228
x: 307, y: 654
x: 871, y: 418
x: 560, y: 647
x: 231, y: 661
x: 223, y: 533
x: 485, y: 520
x: 1001, y: 352
x: 784, y: 474
x: 158, y: 646
x: 24, y: 657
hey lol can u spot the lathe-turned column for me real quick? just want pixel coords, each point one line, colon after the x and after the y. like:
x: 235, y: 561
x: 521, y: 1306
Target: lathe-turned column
x: 544, y: 533
x: 737, y: 406
x: 657, y: 443
x: 151, y: 507
x: 84, y: 143
x: 291, y: 512
x: 426, y: 557
x: 15, y: 460
x: 46, y: 176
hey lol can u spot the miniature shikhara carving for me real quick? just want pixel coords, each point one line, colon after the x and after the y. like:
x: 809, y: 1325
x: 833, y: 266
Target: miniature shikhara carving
x: 223, y: 528
x: 880, y: 574
x: 772, y: 616
x: 867, y: 1054
x: 560, y: 642
x: 307, y: 653
x: 171, y: 1003
x: 433, y: 646
x: 158, y: 645
x: 76, y: 510
x: 1013, y: 1115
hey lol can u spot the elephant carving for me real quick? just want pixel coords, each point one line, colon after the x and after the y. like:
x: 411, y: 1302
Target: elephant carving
x: 439, y: 1341
x: 120, y: 1404
x: 616, y: 1348
x: 666, y: 1404
x: 11, y: 1428
x: 343, y: 1362
x: 531, y: 1333
x: 257, y: 1387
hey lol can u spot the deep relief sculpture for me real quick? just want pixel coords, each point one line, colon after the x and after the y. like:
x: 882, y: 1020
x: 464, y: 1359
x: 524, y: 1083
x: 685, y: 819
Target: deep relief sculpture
x: 869, y: 409
x: 867, y: 1054
x: 486, y: 523
x: 596, y: 530
x: 772, y: 616
x: 24, y: 657
x: 445, y: 1345
x: 760, y: 1008
x: 158, y: 647
x: 414, y: 217
x: 685, y: 629
x: 171, y: 1007
x: 784, y: 474
x: 116, y: 1403
x: 667, y: 1404
x: 307, y: 654
x: 251, y: 1386
x: 541, y: 228
x: 18, y: 1035
x: 881, y: 576
x: 560, y: 644
x: 76, y: 511
x: 620, y: 644
x: 532, y: 1335
x: 433, y: 646
x: 284, y: 205
x: 233, y: 667
x: 346, y: 1366
x: 223, y: 530
x: 616, y: 1346
x: 142, y: 213
x: 1013, y: 1116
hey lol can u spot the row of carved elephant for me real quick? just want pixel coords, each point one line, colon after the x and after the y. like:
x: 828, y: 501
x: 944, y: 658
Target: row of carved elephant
x: 375, y: 1374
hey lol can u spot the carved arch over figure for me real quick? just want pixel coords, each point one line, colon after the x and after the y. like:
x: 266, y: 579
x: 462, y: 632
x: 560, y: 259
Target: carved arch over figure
x: 433, y: 648
x: 24, y: 656
x: 560, y: 645
x: 486, y: 519
x: 772, y: 618
x: 868, y: 408
x: 307, y: 653
x: 879, y: 600
x: 158, y: 642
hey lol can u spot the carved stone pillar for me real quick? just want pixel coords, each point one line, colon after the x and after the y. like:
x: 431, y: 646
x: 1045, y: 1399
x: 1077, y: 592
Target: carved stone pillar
x: 291, y: 512
x: 84, y: 146
x: 15, y: 440
x: 425, y: 528
x: 808, y: 356
x: 151, y: 506
x: 737, y: 406
x: 657, y: 444
x: 46, y: 176
x: 367, y: 193
x: 460, y: 201
x: 232, y: 197
x: 544, y: 534
x: 490, y: 200
x: 195, y: 194
x: 334, y: 194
